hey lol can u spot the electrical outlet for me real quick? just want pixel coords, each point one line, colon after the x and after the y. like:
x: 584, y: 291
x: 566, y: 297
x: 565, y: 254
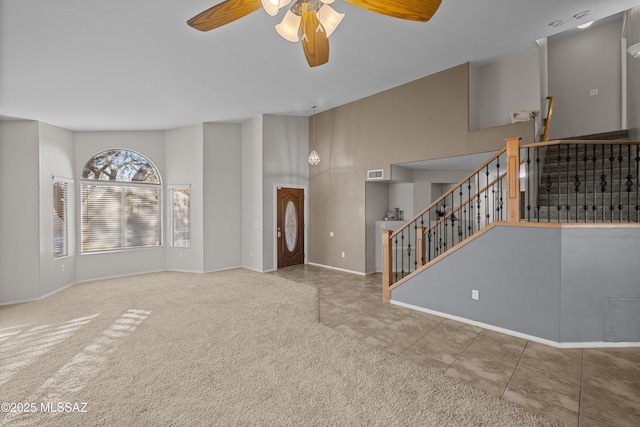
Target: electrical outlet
x: 62, y: 267
x: 342, y: 254
x: 475, y: 294
x: 593, y: 92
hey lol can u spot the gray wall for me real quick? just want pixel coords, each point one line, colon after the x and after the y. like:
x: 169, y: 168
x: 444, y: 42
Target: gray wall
x: 509, y: 85
x: 252, y: 210
x: 222, y: 196
x: 542, y: 282
x: 285, y: 142
x: 184, y: 146
x: 579, y: 62
x: 633, y: 74
x: 56, y: 159
x: 19, y: 218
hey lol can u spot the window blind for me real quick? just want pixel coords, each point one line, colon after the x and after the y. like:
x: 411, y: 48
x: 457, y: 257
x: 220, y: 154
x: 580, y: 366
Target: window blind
x: 180, y: 207
x: 120, y: 217
x: 60, y: 219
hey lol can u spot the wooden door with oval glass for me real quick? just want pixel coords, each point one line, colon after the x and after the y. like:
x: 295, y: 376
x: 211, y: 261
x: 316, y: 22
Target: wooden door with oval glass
x: 290, y: 223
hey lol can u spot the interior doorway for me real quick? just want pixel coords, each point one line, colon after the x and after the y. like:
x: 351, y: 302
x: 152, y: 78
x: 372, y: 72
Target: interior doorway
x: 290, y: 226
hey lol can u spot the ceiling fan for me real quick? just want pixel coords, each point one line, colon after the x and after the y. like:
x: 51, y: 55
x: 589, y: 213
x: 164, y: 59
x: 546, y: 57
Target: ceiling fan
x: 311, y: 21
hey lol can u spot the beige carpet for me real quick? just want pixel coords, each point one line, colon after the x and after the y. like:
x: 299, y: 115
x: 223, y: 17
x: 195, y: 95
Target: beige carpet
x: 226, y: 348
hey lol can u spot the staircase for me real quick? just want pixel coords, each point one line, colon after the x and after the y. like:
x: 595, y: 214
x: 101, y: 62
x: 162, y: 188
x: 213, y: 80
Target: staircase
x: 594, y: 180
x: 585, y: 181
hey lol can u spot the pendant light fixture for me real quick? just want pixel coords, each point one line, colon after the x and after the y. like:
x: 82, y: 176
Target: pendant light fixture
x: 314, y: 158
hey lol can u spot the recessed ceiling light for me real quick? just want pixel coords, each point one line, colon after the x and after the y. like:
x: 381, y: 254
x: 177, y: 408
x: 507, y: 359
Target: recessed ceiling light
x: 585, y: 25
x: 582, y: 14
x: 557, y: 23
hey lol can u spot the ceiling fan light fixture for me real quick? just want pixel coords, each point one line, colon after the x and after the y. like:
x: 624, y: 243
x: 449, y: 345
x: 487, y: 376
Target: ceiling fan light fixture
x: 289, y: 26
x: 273, y: 6
x: 329, y: 18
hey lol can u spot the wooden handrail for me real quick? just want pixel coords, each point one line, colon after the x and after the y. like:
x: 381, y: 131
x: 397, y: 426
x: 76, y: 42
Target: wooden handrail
x: 547, y: 122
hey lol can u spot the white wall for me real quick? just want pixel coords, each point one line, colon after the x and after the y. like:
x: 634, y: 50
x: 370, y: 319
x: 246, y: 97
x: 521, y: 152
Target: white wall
x: 285, y: 152
x: 19, y: 224
x: 633, y: 74
x: 222, y: 196
x: 87, y: 144
x: 252, y: 210
x: 423, y: 180
x: 578, y: 63
x: 376, y: 206
x: 184, y: 146
x: 401, y: 196
x: 56, y: 160
x: 508, y: 85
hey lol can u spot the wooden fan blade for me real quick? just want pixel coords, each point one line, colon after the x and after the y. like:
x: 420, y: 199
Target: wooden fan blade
x: 314, y: 38
x: 223, y: 13
x: 413, y: 10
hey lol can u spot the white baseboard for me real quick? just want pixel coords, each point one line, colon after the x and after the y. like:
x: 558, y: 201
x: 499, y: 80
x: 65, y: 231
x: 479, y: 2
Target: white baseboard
x: 588, y: 344
x: 359, y: 273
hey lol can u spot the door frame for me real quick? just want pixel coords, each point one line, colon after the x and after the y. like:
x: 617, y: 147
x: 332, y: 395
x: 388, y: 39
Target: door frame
x: 274, y: 227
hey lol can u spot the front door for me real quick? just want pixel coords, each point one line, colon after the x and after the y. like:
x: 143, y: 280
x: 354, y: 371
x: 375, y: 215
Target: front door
x: 290, y: 226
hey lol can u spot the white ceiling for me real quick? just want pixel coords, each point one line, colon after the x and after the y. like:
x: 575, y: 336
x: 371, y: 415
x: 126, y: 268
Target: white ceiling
x: 136, y: 65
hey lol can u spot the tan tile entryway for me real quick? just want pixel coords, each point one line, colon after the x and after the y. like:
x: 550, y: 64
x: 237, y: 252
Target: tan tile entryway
x: 582, y: 387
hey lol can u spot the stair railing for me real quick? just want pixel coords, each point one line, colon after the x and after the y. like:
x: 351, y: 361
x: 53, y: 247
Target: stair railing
x: 546, y: 182
x: 581, y: 182
x: 489, y: 194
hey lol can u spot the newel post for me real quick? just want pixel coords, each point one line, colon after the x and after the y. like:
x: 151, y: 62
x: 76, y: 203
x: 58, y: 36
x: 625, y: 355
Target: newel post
x: 386, y: 265
x: 513, y: 179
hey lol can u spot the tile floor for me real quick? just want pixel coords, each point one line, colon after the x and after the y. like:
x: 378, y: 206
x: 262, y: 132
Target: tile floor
x: 582, y: 387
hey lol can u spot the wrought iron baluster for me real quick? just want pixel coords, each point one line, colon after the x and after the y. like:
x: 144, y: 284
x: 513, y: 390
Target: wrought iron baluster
x: 462, y: 208
x: 402, y: 253
x: 629, y: 183
x: 620, y: 159
x: 470, y: 205
x: 429, y: 235
x: 422, y: 231
x: 637, y: 183
x: 611, y: 159
x: 528, y: 182
x: 595, y: 205
x: 576, y: 184
x: 603, y: 185
x: 395, y: 260
x: 558, y: 182
x: 486, y: 199
x: 478, y: 203
x: 568, y: 182
x: 537, y: 182
x: 585, y: 159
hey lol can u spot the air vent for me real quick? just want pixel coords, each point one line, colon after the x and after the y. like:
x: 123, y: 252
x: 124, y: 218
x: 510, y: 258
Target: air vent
x: 375, y: 174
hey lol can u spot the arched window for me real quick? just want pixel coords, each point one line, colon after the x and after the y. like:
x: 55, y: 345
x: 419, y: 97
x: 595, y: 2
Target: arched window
x: 121, y: 195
